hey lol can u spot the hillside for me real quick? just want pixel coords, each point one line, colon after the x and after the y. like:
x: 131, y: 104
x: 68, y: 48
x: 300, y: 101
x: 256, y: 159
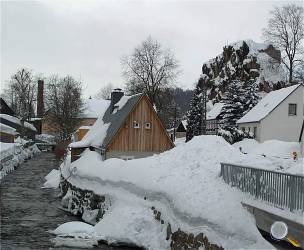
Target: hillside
x: 244, y: 60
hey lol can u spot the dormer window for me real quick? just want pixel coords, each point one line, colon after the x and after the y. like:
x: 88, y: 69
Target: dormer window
x: 147, y: 125
x: 136, y: 124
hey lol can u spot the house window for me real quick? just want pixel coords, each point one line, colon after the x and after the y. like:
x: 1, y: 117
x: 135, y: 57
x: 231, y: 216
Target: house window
x: 243, y: 129
x: 254, y: 132
x: 292, y: 109
x: 136, y: 124
x: 147, y: 125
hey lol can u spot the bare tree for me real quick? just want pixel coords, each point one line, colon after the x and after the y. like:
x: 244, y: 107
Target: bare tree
x: 286, y: 31
x: 65, y: 104
x: 21, y: 94
x: 149, y: 69
x: 105, y: 92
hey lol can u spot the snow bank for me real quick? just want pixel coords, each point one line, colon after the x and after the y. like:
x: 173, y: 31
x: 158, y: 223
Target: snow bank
x: 184, y: 183
x: 74, y: 227
x: 52, y: 179
x: 18, y: 154
x: 75, y: 234
x: 274, y: 148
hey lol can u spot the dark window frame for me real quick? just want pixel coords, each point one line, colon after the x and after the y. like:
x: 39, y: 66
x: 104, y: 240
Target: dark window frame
x: 289, y: 109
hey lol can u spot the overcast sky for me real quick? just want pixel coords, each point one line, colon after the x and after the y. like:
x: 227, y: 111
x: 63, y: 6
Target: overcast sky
x: 87, y: 39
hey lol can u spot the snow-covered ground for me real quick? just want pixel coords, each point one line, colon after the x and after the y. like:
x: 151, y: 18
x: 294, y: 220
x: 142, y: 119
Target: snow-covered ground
x: 183, y: 183
x: 280, y: 153
x: 18, y: 154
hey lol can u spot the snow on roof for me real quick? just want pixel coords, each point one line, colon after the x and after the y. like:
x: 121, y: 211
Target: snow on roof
x: 85, y: 127
x: 7, y: 129
x: 17, y: 121
x: 106, y: 126
x: 267, y: 104
x: 215, y: 111
x: 185, y: 123
x: 94, y: 108
x: 121, y: 103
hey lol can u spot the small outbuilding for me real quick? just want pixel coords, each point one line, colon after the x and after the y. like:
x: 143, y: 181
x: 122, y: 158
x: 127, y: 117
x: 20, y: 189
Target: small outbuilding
x: 129, y: 128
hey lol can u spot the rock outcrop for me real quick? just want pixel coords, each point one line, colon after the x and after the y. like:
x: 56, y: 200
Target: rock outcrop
x: 244, y: 60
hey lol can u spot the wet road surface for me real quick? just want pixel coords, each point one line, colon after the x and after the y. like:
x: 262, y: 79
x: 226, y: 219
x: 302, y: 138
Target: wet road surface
x: 28, y: 212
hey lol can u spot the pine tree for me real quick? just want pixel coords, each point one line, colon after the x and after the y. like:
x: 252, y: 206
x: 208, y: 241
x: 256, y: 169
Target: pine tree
x: 251, y: 95
x: 233, y: 109
x: 194, y: 115
x: 234, y: 105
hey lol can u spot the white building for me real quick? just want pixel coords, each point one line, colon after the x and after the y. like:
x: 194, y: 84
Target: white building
x: 279, y: 115
x: 212, y: 119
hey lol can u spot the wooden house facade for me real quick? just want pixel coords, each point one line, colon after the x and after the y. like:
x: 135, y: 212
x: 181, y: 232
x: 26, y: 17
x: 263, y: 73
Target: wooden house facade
x: 133, y: 130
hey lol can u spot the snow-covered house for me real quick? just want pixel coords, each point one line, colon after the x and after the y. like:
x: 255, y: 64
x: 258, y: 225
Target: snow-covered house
x: 91, y: 111
x: 128, y: 128
x: 212, y: 119
x: 7, y: 133
x: 279, y: 115
x: 181, y: 129
x: 14, y: 122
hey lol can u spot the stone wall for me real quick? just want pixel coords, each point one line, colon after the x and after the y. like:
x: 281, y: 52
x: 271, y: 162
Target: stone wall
x: 92, y: 207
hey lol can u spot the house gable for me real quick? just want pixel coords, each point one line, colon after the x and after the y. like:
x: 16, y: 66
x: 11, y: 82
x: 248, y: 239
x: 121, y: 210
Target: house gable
x: 141, y: 139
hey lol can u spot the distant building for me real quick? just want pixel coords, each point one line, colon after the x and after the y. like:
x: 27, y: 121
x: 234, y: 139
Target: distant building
x: 213, y: 120
x: 92, y: 110
x: 14, y: 122
x: 7, y: 133
x: 279, y: 115
x: 181, y: 129
x: 5, y: 109
x: 129, y: 128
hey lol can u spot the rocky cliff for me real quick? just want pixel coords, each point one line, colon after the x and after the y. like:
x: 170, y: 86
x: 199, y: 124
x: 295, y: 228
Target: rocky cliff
x: 244, y: 60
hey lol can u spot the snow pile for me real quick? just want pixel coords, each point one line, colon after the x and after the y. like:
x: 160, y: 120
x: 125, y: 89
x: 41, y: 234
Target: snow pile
x: 75, y: 235
x: 273, y: 148
x: 94, y: 108
x: 267, y: 104
x: 17, y: 155
x: 183, y: 183
x: 52, y: 179
x: 17, y: 121
x: 74, y: 227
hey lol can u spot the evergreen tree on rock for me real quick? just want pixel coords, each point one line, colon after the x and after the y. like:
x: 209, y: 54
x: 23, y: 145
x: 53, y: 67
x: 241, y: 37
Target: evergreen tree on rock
x: 234, y: 107
x: 251, y: 95
x: 194, y: 115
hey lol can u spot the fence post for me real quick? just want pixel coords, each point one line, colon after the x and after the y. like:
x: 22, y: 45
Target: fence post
x: 257, y: 184
x: 292, y: 193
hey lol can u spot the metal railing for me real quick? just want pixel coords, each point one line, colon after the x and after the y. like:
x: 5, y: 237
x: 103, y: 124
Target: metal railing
x: 280, y: 189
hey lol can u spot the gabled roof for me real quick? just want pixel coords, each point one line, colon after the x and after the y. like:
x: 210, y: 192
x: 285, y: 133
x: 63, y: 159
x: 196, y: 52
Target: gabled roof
x: 215, y: 111
x: 267, y: 104
x: 108, y: 124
